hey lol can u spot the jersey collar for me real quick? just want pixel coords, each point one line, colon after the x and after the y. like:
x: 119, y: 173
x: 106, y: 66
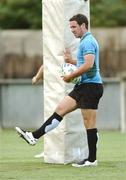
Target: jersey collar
x: 85, y: 34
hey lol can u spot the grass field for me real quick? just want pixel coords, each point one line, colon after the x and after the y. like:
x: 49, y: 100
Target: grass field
x: 17, y: 160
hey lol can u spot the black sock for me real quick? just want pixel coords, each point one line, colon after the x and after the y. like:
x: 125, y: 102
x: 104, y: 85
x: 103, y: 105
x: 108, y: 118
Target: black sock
x: 50, y: 124
x: 92, y: 138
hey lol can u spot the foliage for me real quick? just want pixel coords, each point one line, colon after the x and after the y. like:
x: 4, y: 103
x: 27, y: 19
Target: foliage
x: 108, y: 13
x: 27, y: 14
x: 24, y: 14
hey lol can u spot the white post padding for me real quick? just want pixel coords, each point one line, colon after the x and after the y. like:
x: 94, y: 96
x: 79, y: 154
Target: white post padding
x: 68, y: 142
x: 123, y: 105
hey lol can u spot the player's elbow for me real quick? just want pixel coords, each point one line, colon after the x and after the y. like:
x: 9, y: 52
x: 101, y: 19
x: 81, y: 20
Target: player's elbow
x: 89, y: 66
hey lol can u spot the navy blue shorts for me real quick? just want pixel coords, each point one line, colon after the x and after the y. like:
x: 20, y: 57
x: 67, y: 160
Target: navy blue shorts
x: 87, y: 95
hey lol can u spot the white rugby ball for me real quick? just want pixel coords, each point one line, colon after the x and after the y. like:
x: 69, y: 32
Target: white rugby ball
x: 67, y: 69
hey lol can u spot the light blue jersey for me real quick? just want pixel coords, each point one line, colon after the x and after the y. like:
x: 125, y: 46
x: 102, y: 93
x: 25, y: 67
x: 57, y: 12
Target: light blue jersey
x: 89, y: 45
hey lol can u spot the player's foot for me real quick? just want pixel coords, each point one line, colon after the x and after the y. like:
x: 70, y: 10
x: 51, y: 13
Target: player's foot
x: 85, y: 163
x: 27, y: 136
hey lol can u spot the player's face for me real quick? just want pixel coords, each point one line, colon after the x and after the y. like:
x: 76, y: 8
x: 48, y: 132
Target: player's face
x: 76, y: 29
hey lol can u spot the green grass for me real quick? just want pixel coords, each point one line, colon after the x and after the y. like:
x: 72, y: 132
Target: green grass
x: 17, y: 160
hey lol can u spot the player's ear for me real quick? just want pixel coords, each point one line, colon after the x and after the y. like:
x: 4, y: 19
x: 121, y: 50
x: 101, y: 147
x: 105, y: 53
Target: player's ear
x: 83, y: 25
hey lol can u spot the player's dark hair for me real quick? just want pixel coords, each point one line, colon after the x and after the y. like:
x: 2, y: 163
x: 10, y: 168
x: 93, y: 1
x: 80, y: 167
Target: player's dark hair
x: 80, y: 19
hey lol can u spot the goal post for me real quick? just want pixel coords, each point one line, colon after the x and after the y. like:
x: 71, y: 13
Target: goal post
x: 68, y: 142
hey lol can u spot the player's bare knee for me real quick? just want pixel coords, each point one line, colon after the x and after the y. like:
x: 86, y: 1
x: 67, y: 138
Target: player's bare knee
x: 89, y: 123
x: 86, y: 123
x: 60, y: 110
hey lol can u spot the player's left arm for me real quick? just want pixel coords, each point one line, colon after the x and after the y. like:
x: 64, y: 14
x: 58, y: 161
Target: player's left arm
x: 89, y: 62
x: 68, y: 58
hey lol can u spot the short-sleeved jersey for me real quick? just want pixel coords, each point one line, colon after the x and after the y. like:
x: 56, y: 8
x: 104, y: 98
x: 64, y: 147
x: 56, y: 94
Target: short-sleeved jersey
x: 89, y: 45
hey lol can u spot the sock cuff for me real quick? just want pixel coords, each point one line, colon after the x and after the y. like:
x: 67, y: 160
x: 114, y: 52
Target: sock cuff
x: 94, y: 130
x: 57, y: 116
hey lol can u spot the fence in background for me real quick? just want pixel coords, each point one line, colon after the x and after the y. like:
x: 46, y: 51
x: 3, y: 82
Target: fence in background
x: 21, y: 104
x: 21, y: 52
x: 112, y: 107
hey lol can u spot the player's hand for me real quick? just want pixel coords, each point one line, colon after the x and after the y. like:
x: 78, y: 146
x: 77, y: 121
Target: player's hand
x: 66, y: 78
x: 34, y: 80
x: 67, y: 55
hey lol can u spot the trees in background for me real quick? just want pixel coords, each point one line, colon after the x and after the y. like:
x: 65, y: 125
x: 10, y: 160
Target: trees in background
x: 20, y: 14
x: 27, y: 14
x: 108, y: 13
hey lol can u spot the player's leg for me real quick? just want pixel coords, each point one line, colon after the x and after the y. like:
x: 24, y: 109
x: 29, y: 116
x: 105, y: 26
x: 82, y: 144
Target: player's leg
x: 88, y: 103
x: 89, y: 118
x: 67, y: 105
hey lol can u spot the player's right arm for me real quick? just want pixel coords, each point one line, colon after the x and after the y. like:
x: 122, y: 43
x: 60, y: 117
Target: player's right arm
x: 67, y: 57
